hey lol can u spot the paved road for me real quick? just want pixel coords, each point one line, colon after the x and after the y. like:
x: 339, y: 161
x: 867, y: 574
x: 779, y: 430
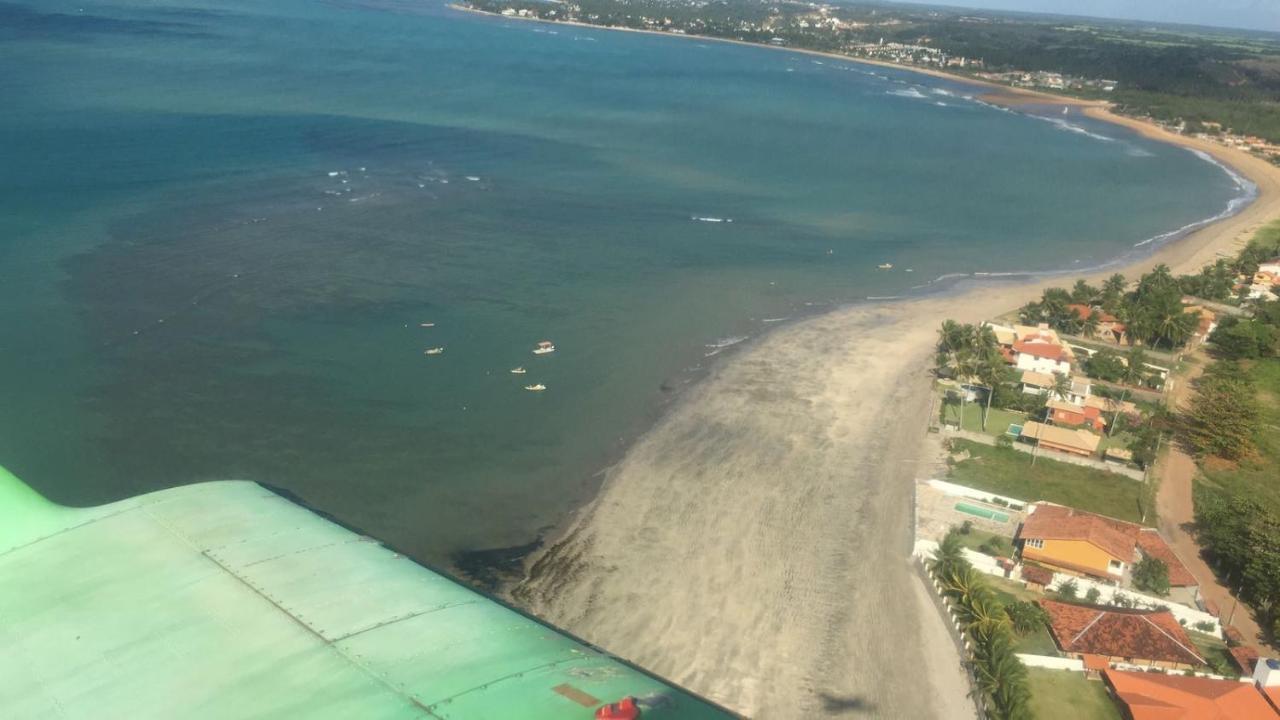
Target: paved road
x: 1176, y: 470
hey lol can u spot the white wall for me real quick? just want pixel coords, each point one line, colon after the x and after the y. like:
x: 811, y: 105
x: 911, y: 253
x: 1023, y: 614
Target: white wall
x: 1053, y: 663
x: 968, y: 492
x: 1181, y: 612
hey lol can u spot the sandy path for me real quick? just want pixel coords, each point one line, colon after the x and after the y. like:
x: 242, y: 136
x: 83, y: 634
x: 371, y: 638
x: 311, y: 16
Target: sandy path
x: 1176, y: 470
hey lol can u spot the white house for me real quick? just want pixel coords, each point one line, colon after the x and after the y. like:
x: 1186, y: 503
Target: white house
x: 1041, y: 356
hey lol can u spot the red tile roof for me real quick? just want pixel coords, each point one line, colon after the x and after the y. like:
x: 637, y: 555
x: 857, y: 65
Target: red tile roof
x: 1084, y: 311
x: 1156, y: 696
x: 1245, y: 658
x: 1036, y: 574
x: 1057, y: 522
x: 1141, y: 635
x: 1152, y: 544
x: 1042, y: 349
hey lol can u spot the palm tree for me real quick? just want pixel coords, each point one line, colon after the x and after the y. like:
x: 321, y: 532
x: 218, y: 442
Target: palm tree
x: 1025, y: 617
x: 1061, y: 386
x: 1089, y: 325
x: 1002, y: 678
x: 1135, y: 370
x: 950, y: 553
x: 984, y: 615
x: 1083, y: 293
x: 1112, y: 292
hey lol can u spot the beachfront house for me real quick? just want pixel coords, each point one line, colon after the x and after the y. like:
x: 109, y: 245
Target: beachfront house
x: 1038, y: 383
x: 1072, y: 541
x: 1110, y: 406
x: 1068, y: 414
x: 1039, y: 353
x: 1160, y: 696
x: 1101, y: 635
x: 1050, y: 437
x: 1075, y: 542
x: 1109, y: 326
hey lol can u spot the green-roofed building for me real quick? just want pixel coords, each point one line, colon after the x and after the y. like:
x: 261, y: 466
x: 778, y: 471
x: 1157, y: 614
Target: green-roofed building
x: 226, y: 600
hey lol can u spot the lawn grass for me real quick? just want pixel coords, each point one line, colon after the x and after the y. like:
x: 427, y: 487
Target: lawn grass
x: 1039, y: 642
x: 1067, y: 695
x: 1255, y: 476
x: 1008, y: 472
x: 1214, y: 650
x: 975, y: 538
x: 997, y: 420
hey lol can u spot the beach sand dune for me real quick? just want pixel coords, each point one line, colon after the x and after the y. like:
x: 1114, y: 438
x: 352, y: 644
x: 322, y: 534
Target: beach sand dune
x: 753, y: 546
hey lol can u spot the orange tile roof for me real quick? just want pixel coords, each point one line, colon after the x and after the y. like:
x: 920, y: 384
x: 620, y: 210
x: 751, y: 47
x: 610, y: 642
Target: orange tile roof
x: 1142, y: 635
x: 1058, y: 522
x: 1084, y: 311
x: 1042, y: 349
x: 1156, y: 696
x: 1273, y: 696
x: 1152, y: 544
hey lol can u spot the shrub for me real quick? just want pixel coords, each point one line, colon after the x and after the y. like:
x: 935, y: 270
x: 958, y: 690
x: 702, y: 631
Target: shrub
x: 1151, y: 575
x: 1068, y: 590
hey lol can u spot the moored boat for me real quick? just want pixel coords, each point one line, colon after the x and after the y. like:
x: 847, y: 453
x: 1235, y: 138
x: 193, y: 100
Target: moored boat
x: 433, y: 351
x: 544, y: 347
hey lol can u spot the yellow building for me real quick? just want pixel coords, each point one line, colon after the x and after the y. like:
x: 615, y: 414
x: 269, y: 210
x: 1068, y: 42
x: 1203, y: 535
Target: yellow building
x: 1076, y: 542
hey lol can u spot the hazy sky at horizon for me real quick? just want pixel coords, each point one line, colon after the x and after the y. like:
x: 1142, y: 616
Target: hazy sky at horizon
x: 1247, y: 14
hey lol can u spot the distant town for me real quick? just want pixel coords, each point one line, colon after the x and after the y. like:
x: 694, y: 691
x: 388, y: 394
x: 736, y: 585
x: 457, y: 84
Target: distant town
x: 1219, y: 88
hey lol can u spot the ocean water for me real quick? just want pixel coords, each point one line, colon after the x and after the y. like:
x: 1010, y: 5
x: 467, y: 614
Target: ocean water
x: 223, y: 223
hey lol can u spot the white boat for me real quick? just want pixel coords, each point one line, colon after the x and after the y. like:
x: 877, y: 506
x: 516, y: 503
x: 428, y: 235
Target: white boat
x: 426, y: 324
x: 544, y: 347
x: 433, y: 351
x: 885, y: 266
x: 517, y: 371
x: 535, y: 388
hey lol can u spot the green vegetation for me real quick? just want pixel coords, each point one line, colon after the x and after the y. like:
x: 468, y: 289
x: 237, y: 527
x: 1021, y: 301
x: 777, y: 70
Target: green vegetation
x: 1066, y: 695
x: 998, y: 420
x: 1215, y: 653
x: 1224, y: 414
x: 1000, y: 676
x: 1255, y: 476
x: 1005, y: 471
x: 985, y: 542
x: 1233, y: 424
x: 1243, y: 540
x: 1151, y: 575
x: 1152, y: 313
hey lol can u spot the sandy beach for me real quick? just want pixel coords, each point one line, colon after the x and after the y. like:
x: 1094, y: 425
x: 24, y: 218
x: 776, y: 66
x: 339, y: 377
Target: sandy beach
x: 753, y: 546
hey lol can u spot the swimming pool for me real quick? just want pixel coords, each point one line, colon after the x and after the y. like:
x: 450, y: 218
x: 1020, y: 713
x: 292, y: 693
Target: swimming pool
x: 984, y: 513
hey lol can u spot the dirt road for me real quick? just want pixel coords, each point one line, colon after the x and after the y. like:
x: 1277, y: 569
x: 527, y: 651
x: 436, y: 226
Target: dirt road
x: 1177, y: 470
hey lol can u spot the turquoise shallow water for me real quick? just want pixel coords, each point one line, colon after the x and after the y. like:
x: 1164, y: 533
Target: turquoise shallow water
x: 221, y: 225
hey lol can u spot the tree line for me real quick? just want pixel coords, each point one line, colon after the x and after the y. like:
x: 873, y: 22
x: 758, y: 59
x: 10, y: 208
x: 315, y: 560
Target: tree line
x: 992, y: 627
